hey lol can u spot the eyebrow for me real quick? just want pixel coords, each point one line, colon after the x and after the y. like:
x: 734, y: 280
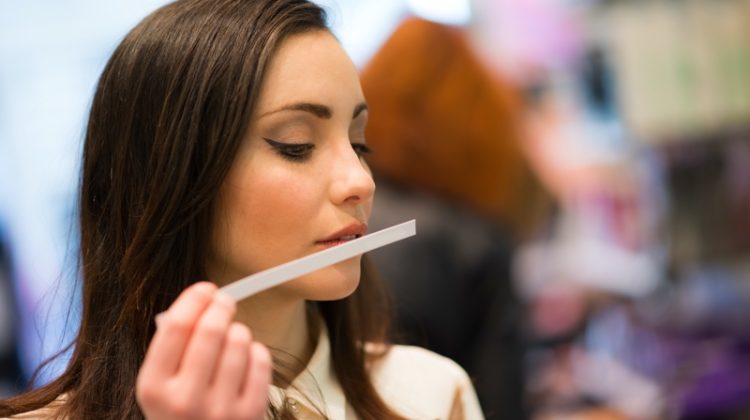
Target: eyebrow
x: 319, y: 110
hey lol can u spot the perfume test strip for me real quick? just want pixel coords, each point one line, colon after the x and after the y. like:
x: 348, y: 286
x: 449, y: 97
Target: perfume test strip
x: 272, y: 277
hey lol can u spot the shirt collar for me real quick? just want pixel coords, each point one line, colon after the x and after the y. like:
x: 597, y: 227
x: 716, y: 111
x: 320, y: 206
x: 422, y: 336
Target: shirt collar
x: 316, y: 387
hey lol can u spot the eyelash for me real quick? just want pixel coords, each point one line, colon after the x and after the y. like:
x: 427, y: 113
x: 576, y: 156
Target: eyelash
x: 299, y: 152
x: 361, y: 149
x: 295, y: 152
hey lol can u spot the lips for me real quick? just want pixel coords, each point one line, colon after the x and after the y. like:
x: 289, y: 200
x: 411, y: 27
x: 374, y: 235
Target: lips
x: 353, y: 231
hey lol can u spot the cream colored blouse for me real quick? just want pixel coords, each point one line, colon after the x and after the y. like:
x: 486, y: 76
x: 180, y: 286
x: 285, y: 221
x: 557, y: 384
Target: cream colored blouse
x: 416, y: 383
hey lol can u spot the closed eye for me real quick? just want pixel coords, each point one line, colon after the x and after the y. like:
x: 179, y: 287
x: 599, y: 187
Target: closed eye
x: 361, y: 149
x: 295, y: 152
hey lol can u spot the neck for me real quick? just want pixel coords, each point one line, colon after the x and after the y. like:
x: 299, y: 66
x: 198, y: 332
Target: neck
x: 281, y: 323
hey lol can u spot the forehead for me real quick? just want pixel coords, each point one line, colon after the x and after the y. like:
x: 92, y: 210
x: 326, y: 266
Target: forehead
x: 312, y: 67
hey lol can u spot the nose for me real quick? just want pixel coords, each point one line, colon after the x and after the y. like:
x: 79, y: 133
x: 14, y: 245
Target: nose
x: 352, y: 180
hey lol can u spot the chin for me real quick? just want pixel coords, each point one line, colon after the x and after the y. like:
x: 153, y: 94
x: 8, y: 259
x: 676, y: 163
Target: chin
x: 331, y: 283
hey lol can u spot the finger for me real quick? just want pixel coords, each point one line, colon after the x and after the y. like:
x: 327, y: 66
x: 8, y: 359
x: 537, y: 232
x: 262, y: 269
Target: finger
x: 230, y: 374
x: 205, y: 346
x: 174, y: 328
x: 255, y: 393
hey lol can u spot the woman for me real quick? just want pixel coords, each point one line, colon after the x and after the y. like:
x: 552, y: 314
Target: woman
x: 227, y: 137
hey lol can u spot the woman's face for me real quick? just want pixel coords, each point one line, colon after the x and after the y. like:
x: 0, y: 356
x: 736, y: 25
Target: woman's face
x: 299, y: 183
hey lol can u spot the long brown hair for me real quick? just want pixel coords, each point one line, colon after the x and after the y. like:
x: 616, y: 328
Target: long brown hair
x: 168, y: 116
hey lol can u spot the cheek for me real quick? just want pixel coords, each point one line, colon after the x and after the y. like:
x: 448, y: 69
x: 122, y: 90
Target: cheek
x: 264, y: 219
x: 282, y: 201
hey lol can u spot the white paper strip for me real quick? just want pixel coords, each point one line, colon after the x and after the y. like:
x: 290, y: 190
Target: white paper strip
x: 272, y: 277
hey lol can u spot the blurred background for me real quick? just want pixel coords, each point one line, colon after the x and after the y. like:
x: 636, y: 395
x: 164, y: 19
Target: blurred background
x: 579, y: 170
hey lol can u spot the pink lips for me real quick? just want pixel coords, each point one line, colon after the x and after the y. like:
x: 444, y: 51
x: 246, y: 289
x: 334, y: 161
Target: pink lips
x: 353, y: 231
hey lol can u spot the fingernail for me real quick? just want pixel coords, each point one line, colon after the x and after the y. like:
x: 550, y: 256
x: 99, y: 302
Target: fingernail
x: 158, y: 319
x: 224, y: 299
x: 205, y: 288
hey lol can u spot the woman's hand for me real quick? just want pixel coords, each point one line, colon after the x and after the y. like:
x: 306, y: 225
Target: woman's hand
x: 202, y: 365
